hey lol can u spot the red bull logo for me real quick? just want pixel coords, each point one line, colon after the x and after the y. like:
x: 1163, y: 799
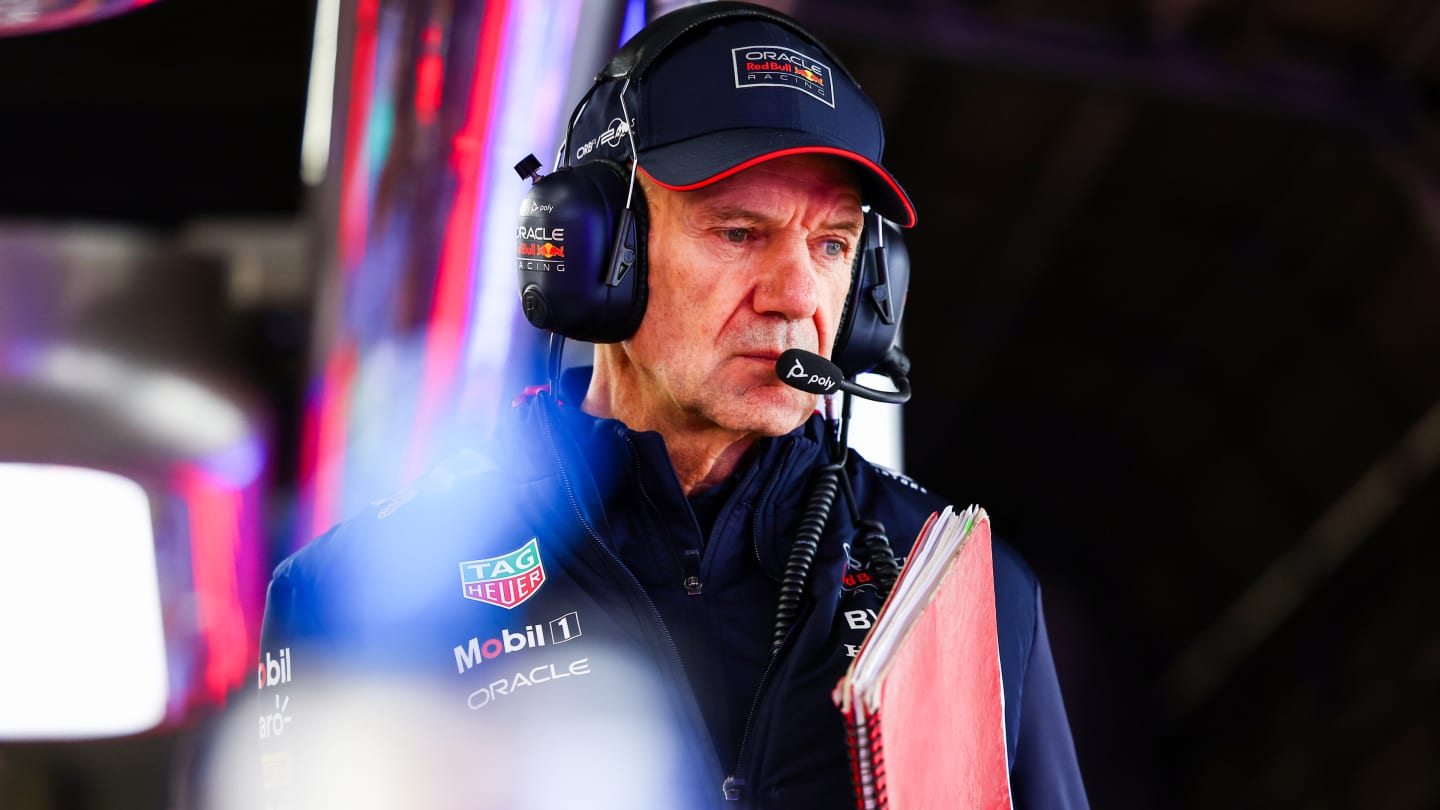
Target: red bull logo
x: 549, y: 250
x: 506, y: 580
x: 810, y: 74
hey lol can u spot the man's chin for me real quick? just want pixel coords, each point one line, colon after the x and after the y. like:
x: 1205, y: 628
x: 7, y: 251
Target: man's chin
x: 772, y: 411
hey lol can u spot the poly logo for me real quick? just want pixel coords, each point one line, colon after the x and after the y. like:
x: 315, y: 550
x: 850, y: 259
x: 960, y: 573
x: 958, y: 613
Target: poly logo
x: 507, y: 580
x: 816, y: 384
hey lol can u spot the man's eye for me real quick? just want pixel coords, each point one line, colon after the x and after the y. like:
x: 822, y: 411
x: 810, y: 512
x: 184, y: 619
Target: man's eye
x: 735, y: 235
x: 834, y: 248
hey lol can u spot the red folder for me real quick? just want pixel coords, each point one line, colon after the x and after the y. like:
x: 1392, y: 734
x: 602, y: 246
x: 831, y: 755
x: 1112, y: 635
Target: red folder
x: 923, y: 699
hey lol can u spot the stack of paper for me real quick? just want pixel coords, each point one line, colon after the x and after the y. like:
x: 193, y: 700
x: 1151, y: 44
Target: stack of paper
x: 923, y: 699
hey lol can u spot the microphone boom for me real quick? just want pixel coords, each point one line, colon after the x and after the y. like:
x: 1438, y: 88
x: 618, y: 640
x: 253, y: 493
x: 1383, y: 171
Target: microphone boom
x: 813, y: 374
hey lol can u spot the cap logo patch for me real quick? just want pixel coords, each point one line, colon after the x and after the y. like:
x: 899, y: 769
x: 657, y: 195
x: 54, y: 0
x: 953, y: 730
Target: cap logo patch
x: 778, y: 66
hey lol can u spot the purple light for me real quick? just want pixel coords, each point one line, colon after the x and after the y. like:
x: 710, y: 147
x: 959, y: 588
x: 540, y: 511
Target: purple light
x: 634, y: 20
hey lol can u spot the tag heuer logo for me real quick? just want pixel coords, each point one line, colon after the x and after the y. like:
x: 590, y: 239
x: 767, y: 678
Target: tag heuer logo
x: 506, y: 580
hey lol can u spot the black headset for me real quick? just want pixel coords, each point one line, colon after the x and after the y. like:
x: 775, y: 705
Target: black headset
x: 583, y: 228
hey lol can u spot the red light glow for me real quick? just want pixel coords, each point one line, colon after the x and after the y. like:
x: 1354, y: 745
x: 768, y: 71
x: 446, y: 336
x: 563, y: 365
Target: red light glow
x: 223, y: 528
x: 450, y: 307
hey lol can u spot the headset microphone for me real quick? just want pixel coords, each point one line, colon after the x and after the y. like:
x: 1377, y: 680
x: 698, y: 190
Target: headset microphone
x: 813, y: 374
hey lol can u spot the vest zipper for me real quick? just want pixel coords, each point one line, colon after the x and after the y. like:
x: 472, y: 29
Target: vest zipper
x: 770, y: 484
x: 614, y: 558
x: 734, y: 784
x: 691, y: 562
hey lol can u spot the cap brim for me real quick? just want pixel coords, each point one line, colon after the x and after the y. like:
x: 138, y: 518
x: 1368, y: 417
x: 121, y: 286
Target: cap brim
x: 698, y: 162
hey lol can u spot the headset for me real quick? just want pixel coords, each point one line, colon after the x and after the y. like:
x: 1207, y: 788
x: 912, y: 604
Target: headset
x: 583, y: 228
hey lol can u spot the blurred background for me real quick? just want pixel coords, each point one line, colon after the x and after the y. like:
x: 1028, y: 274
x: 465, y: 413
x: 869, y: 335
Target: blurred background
x: 1173, y: 322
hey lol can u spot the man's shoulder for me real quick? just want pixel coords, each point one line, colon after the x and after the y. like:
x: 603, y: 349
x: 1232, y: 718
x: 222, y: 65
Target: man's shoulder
x: 1012, y: 573
x: 461, y: 506
x: 898, y: 501
x: 894, y: 485
x: 1016, y: 590
x: 897, y: 478
x: 395, y: 571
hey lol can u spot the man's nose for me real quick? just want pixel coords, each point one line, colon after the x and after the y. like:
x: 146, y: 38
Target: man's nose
x: 787, y: 284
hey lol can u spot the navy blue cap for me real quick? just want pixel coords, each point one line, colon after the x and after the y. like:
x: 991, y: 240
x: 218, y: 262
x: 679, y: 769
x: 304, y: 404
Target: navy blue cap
x: 726, y: 90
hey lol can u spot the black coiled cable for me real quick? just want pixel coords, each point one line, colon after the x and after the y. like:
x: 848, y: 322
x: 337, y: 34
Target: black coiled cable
x: 874, y: 543
x: 802, y: 553
x: 871, y: 541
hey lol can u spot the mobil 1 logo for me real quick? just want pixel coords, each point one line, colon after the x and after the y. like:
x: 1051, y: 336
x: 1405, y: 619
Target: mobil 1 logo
x: 479, y: 650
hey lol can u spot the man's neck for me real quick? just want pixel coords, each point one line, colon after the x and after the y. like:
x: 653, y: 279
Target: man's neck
x: 701, y: 465
x: 702, y: 454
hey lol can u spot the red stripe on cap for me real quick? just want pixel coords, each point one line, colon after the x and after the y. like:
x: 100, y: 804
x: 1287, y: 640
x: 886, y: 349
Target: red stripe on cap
x: 798, y: 150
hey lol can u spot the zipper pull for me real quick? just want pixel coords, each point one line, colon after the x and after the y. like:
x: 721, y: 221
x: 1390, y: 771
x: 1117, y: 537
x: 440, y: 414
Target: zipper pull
x: 693, y: 586
x: 731, y: 786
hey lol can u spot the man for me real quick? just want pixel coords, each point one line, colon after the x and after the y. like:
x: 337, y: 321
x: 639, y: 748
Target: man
x: 612, y: 638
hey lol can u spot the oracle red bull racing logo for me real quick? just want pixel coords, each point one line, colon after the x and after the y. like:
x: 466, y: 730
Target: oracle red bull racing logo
x: 506, y: 580
x: 778, y: 66
x: 540, y: 248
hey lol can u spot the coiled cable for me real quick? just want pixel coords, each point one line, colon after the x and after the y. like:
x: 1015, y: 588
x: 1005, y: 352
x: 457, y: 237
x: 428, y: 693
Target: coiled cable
x: 802, y: 552
x: 874, y: 543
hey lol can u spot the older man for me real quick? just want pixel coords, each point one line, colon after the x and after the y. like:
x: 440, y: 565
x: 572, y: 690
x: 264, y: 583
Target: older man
x: 594, y: 602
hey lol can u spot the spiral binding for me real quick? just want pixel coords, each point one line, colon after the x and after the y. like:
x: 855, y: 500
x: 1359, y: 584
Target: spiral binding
x: 881, y: 782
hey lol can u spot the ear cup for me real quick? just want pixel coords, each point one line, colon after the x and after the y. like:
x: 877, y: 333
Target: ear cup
x: 581, y: 253
x: 876, y: 301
